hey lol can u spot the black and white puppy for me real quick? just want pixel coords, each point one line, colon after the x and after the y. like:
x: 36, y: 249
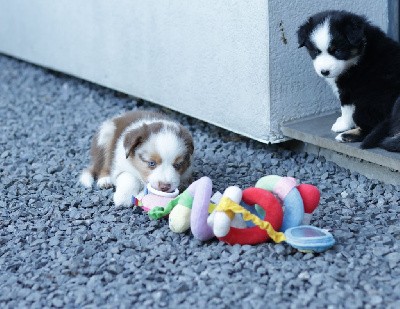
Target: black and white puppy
x: 362, y: 65
x: 137, y: 148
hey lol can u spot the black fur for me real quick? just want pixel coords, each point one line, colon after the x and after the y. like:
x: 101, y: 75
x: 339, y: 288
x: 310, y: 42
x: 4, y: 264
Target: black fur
x: 373, y: 84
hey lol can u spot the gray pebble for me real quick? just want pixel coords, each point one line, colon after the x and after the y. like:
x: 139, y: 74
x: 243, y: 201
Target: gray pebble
x: 393, y: 259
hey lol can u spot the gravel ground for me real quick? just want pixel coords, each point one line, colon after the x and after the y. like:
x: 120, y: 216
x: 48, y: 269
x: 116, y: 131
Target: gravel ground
x: 65, y: 246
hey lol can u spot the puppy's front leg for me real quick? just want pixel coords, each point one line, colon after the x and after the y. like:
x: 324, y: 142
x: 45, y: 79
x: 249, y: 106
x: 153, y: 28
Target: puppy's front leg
x: 126, y: 185
x: 344, y: 122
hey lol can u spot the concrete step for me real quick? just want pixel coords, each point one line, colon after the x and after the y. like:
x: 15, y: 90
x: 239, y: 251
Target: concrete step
x: 316, y: 132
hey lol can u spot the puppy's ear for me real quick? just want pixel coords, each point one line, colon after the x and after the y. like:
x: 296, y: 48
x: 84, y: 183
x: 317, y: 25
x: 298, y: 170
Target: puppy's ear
x: 303, y: 32
x: 134, y: 138
x: 187, y: 138
x: 355, y: 30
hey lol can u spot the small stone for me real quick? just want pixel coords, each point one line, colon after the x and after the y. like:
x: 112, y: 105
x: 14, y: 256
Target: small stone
x: 393, y: 259
x: 5, y: 154
x: 316, y: 279
x: 304, y: 275
x: 279, y: 248
x: 376, y: 300
x: 274, y: 162
x: 57, y: 302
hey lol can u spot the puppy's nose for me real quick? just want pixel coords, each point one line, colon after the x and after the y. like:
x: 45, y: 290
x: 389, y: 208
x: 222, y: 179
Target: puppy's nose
x: 325, y: 72
x: 164, y: 187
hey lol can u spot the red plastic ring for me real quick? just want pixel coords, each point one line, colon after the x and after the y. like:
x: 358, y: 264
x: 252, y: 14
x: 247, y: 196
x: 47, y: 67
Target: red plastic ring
x: 273, y: 214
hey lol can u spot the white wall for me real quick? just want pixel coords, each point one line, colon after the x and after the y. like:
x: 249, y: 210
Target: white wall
x: 222, y: 61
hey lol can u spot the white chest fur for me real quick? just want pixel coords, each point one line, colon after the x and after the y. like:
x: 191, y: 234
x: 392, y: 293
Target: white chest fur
x: 332, y: 83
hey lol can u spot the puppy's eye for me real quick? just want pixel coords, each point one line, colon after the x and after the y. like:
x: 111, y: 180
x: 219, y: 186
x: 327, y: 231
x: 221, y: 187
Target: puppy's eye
x: 314, y: 52
x: 332, y: 49
x: 151, y: 164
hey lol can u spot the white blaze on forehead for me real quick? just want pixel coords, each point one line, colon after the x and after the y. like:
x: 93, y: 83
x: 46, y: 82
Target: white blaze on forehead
x: 168, y: 145
x: 141, y: 122
x: 321, y: 36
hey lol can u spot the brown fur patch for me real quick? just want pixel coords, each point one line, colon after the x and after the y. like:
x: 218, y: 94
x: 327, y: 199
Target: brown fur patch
x: 141, y: 167
x: 137, y: 136
x: 182, y: 163
x: 187, y: 138
x: 156, y: 158
x: 353, y: 135
x: 153, y: 157
x: 134, y: 138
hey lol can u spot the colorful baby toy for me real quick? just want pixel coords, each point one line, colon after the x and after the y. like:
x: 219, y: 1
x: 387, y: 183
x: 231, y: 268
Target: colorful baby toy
x: 273, y: 209
x: 150, y: 198
x: 178, y: 207
x: 305, y: 238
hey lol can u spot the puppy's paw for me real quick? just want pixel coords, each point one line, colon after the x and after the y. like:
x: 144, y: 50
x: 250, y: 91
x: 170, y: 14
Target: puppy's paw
x: 346, y: 138
x: 104, y: 182
x: 122, y: 198
x: 339, y: 138
x: 342, y: 124
x: 350, y: 136
x: 86, y: 178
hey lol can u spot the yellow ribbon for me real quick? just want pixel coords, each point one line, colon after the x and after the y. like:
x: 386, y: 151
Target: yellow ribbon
x: 227, y: 205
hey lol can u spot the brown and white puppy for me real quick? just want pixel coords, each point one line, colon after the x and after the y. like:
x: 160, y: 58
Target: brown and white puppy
x: 137, y: 148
